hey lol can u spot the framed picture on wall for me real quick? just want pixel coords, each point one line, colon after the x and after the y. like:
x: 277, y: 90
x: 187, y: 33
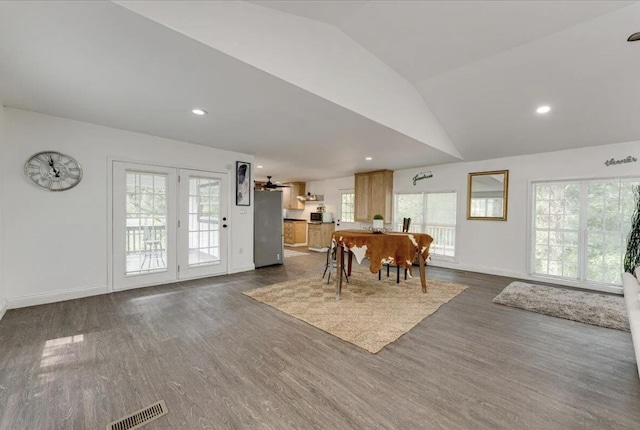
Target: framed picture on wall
x: 243, y: 183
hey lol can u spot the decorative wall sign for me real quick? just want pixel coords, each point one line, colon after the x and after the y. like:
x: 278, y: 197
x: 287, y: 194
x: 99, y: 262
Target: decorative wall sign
x: 422, y: 175
x: 612, y: 161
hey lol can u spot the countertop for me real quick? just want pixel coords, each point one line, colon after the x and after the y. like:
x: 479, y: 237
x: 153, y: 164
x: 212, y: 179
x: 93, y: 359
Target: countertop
x: 295, y: 219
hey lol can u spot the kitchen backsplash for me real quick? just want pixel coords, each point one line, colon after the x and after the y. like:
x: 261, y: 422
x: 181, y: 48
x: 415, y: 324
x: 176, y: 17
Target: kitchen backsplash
x: 293, y: 213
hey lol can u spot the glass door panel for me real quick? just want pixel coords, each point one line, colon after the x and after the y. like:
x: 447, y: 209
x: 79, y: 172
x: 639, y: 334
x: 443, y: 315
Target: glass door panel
x: 146, y: 239
x: 204, y: 221
x: 144, y: 219
x: 204, y: 234
x: 580, y: 229
x: 608, y: 213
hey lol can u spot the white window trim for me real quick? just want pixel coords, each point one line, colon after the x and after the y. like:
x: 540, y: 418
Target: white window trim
x: 339, y: 215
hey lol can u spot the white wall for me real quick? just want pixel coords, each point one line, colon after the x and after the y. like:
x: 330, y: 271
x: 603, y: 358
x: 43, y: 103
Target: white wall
x: 3, y: 301
x: 58, y: 241
x: 331, y: 189
x: 499, y: 247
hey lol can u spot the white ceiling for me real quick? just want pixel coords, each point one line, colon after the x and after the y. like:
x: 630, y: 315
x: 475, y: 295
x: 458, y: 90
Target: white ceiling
x: 481, y: 67
x: 423, y: 39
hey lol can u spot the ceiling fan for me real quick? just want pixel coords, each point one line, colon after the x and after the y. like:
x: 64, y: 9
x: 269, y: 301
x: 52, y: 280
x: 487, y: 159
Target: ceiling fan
x: 270, y: 185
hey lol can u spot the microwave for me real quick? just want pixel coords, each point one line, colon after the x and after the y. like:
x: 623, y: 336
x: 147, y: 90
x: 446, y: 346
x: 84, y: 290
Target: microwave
x: 320, y: 217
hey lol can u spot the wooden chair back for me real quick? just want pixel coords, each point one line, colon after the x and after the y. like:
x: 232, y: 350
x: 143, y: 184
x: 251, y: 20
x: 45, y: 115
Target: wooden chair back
x: 406, y: 222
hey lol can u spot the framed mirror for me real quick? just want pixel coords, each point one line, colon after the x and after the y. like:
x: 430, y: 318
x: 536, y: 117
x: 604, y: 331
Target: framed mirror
x: 487, y: 195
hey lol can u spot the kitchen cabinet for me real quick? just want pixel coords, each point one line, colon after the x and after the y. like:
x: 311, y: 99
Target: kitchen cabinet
x: 320, y: 235
x: 291, y: 193
x: 373, y: 195
x: 295, y: 232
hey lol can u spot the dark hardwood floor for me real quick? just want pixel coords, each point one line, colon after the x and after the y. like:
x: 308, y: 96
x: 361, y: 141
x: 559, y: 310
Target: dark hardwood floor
x: 222, y: 360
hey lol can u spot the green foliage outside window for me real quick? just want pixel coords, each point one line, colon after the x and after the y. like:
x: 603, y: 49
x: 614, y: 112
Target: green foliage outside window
x: 632, y: 256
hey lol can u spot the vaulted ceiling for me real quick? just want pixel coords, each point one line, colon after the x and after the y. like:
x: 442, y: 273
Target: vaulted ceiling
x: 311, y: 88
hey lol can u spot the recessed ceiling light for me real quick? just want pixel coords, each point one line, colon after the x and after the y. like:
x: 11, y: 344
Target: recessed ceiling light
x: 368, y: 158
x: 198, y: 111
x: 544, y: 109
x: 259, y: 167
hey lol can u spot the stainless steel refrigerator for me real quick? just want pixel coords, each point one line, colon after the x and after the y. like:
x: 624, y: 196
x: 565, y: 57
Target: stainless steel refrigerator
x: 267, y: 225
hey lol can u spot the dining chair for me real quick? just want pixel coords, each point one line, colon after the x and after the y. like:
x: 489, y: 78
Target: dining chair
x: 152, y: 247
x: 406, y: 223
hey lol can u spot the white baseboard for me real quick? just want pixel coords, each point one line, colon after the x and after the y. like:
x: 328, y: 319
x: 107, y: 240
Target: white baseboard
x: 58, y: 296
x: 479, y: 269
x: 244, y: 268
x: 3, y: 307
x: 498, y: 272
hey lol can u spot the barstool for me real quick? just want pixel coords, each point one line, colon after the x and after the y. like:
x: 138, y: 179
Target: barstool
x: 331, y: 257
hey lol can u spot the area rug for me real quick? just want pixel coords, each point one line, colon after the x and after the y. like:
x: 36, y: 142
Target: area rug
x: 591, y: 308
x: 371, y: 313
x: 292, y: 253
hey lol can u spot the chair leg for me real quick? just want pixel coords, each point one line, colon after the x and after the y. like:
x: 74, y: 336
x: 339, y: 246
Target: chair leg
x: 397, y: 274
x: 379, y: 274
x: 405, y: 274
x: 159, y: 255
x: 326, y: 266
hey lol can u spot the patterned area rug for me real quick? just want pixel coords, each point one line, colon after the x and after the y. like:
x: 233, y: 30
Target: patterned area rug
x: 371, y: 313
x: 292, y: 253
x: 591, y: 308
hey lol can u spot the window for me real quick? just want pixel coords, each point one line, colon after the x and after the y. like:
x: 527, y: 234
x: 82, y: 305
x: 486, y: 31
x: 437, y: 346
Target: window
x: 431, y: 213
x: 346, y: 206
x: 580, y: 229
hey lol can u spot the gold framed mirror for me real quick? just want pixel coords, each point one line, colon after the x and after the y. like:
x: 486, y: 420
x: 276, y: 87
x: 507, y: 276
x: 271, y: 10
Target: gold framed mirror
x: 487, y: 195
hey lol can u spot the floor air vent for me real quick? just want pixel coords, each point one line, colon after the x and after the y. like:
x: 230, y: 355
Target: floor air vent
x: 140, y: 418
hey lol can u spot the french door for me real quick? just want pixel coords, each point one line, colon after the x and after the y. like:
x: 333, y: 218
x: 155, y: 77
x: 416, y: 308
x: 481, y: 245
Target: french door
x: 168, y: 224
x: 203, y: 224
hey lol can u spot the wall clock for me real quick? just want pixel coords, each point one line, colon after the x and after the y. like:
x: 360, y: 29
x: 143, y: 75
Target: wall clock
x: 53, y: 171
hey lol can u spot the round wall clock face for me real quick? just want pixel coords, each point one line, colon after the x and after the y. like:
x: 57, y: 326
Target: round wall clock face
x: 53, y: 171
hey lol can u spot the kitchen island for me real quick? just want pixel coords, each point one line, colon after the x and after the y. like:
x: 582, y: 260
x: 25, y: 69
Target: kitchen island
x: 320, y: 235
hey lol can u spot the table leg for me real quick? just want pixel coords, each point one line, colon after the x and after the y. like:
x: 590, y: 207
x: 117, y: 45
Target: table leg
x: 340, y: 264
x: 423, y: 277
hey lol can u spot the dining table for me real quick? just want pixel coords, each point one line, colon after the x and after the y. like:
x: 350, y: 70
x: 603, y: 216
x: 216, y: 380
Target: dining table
x: 380, y: 248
